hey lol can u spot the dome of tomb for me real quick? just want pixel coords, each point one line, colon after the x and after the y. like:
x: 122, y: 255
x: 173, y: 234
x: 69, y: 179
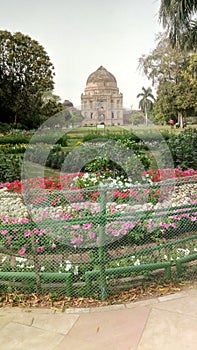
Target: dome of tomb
x: 101, y: 78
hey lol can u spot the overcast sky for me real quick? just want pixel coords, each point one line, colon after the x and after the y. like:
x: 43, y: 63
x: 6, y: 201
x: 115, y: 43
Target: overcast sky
x: 81, y: 35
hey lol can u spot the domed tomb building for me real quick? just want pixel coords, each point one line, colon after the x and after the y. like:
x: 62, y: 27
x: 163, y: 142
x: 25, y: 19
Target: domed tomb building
x: 101, y: 102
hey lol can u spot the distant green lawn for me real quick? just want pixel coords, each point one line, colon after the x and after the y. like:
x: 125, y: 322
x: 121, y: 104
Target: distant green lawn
x: 35, y: 170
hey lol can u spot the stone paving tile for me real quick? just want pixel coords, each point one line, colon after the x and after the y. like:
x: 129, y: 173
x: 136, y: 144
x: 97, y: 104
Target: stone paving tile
x: 167, y: 330
x: 16, y: 336
x: 186, y: 305
x: 5, y: 319
x: 148, y: 302
x: 60, y: 323
x: 172, y: 296
x: 74, y: 343
x: 56, y: 322
x: 117, y: 330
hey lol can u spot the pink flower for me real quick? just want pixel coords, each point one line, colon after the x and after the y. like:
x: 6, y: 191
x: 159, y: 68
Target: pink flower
x: 87, y: 226
x: 148, y: 226
x: 35, y: 230
x: 165, y: 225
x: 91, y: 235
x: 3, y: 232
x: 76, y: 226
x: 78, y: 239
x: 22, y: 251
x: 53, y: 246
x: 193, y: 218
x: 174, y: 225
x: 40, y: 249
x: 27, y: 233
x: 42, y: 231
x: 25, y: 220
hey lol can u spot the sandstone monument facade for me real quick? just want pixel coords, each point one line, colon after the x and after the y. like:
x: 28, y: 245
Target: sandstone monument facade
x: 101, y: 102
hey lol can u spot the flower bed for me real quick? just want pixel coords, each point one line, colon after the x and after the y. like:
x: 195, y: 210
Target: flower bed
x: 66, y: 222
x: 56, y: 202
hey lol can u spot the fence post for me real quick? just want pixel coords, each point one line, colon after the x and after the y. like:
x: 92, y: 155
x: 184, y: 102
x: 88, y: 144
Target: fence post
x: 101, y: 249
x: 36, y: 261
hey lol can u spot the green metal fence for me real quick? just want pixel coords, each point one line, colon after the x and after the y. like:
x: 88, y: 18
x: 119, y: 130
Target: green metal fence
x: 98, y: 241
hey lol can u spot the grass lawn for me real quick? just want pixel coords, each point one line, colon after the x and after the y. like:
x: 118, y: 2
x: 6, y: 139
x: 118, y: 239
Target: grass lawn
x: 79, y: 132
x: 36, y: 170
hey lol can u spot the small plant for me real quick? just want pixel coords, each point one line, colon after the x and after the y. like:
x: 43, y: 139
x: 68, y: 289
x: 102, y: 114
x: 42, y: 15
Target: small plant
x: 10, y: 167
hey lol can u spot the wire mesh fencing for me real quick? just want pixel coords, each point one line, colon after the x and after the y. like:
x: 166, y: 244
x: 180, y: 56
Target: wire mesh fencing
x: 100, y: 240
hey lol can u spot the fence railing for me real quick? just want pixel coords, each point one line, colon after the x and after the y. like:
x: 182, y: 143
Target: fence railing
x: 96, y: 241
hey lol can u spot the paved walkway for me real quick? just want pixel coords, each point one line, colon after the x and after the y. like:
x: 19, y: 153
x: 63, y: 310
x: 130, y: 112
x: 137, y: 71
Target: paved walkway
x: 165, y: 323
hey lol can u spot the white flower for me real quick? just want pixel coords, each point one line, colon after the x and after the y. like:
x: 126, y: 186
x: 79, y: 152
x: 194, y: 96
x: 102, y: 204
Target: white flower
x: 42, y: 268
x: 68, y: 265
x: 21, y: 266
x: 3, y: 259
x: 30, y: 267
x: 137, y: 262
x: 20, y: 259
x: 76, y: 270
x: 185, y: 251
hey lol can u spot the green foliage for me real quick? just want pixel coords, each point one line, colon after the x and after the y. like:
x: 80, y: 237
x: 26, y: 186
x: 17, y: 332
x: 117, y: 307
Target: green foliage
x: 102, y: 156
x: 10, y: 167
x: 20, y: 139
x: 183, y: 147
x: 5, y: 127
x: 130, y: 139
x: 14, y: 140
x: 46, y: 155
x: 14, y: 149
x: 63, y: 141
x: 25, y: 73
x: 178, y: 19
x: 136, y: 118
x: 104, y: 166
x: 56, y: 158
x: 146, y: 101
x: 173, y: 72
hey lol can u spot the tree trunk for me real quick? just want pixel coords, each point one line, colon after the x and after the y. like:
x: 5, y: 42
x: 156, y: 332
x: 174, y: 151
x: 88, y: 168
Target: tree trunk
x: 180, y: 119
x: 146, y: 115
x: 15, y: 121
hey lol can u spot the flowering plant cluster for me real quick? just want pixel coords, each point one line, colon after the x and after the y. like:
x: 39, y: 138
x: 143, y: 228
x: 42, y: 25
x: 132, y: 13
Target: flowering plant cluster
x: 72, y: 227
x: 75, y: 221
x: 157, y: 175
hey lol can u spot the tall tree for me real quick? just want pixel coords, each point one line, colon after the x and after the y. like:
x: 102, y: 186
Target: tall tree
x: 173, y: 73
x: 25, y: 73
x: 146, y: 101
x: 178, y: 18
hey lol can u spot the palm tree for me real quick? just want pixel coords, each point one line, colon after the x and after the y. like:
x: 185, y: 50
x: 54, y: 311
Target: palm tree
x: 146, y: 102
x: 178, y: 18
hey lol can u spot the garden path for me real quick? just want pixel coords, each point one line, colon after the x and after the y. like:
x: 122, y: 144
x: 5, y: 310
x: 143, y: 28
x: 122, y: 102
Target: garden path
x: 166, y: 323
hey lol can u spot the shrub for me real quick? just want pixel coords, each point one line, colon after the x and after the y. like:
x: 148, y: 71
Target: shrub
x: 14, y: 140
x: 183, y: 147
x: 10, y: 167
x: 14, y: 149
x: 46, y: 155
